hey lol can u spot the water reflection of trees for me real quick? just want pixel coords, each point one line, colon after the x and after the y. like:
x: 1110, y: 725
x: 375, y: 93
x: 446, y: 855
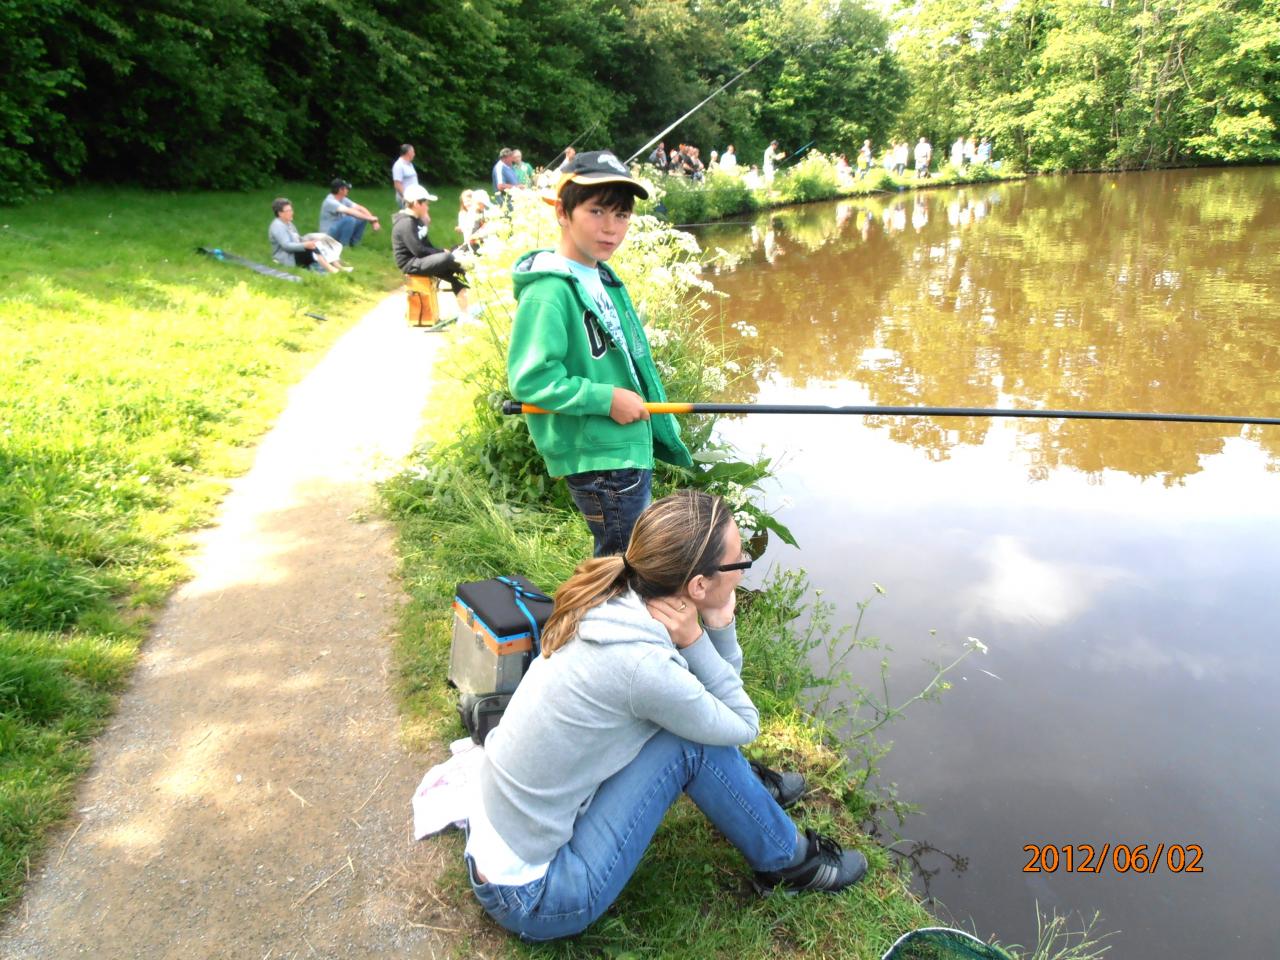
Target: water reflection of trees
x: 1139, y: 292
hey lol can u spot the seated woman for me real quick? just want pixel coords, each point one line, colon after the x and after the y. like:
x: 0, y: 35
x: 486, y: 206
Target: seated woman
x: 473, y: 207
x: 290, y: 249
x: 632, y: 703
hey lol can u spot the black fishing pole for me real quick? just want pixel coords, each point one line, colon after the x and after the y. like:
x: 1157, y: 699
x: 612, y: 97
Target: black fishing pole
x: 715, y: 223
x: 796, y: 153
x: 694, y: 110
x: 515, y: 407
x: 572, y: 143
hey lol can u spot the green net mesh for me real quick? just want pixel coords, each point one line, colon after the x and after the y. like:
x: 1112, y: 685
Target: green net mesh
x: 943, y: 943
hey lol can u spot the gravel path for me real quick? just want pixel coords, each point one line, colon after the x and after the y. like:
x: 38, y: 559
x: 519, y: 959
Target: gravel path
x: 251, y: 797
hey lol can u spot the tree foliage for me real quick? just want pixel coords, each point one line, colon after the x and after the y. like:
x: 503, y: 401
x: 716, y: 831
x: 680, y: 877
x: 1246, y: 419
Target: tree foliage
x: 1070, y: 84
x: 229, y: 93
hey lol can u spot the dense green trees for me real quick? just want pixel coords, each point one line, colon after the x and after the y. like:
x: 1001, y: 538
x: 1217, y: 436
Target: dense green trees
x: 225, y: 93
x: 1067, y: 84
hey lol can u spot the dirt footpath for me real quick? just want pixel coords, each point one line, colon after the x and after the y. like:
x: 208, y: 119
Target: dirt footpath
x: 251, y: 798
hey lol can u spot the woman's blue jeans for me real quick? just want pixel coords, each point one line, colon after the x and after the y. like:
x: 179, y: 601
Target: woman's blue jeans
x: 611, y: 501
x: 611, y: 835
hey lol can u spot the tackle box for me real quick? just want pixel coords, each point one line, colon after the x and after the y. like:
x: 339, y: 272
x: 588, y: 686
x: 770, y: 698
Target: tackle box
x: 494, y: 633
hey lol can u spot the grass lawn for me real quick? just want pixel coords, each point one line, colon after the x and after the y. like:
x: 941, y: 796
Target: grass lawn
x: 135, y: 376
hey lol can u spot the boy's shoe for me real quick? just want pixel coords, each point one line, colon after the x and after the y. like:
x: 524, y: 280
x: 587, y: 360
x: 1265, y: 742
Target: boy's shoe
x: 786, y: 787
x: 827, y: 867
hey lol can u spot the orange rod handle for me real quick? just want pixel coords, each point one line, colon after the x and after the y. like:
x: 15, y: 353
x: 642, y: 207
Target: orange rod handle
x: 651, y: 407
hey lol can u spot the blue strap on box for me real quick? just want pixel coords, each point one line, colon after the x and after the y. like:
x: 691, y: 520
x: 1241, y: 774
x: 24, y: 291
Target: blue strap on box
x: 522, y: 594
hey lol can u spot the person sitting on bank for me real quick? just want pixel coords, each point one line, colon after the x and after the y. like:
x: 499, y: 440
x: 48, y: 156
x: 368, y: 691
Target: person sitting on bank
x: 287, y: 247
x: 473, y: 208
x: 636, y: 698
x: 415, y: 255
x: 342, y: 218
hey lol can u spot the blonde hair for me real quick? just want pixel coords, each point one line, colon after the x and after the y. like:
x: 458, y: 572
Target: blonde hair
x: 676, y: 539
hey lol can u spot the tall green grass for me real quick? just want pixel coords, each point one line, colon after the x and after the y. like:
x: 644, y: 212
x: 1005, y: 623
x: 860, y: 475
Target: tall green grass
x: 135, y: 375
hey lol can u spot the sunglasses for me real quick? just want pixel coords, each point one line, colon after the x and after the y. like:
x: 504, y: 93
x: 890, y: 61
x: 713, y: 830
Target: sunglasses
x: 740, y: 565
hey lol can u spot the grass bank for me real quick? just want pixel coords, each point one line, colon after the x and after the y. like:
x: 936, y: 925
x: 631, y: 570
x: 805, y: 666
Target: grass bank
x: 134, y: 377
x: 476, y: 503
x: 691, y: 896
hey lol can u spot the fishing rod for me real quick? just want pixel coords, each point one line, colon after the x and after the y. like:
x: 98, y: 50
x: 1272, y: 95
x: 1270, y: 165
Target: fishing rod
x: 572, y: 143
x: 512, y: 407
x: 694, y: 110
x: 715, y: 223
x: 796, y: 153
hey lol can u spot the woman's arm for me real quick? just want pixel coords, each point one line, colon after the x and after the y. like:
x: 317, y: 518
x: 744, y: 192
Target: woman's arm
x: 705, y: 703
x: 281, y: 234
x: 725, y: 641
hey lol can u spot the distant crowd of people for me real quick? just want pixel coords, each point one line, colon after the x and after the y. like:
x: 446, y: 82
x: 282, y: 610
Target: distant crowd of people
x: 343, y: 221
x: 686, y: 160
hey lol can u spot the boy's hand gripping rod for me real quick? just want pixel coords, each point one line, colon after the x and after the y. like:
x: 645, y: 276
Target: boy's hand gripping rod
x: 516, y: 407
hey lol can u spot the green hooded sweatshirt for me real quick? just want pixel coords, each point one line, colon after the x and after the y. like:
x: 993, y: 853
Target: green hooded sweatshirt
x: 563, y: 359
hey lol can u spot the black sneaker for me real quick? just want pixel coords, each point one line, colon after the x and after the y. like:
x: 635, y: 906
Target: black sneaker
x: 785, y: 787
x: 827, y: 867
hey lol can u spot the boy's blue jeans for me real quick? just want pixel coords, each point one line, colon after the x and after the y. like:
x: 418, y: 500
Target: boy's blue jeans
x: 611, y: 500
x: 611, y: 835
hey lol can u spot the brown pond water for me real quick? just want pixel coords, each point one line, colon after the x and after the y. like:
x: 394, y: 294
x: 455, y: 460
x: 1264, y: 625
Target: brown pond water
x: 1126, y: 577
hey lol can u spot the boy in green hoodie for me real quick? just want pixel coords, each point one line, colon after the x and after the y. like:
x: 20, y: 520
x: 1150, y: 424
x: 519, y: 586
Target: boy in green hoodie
x: 579, y: 350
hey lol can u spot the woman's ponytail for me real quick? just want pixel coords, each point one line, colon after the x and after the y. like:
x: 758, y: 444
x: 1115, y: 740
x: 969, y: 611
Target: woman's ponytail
x: 594, y: 582
x: 676, y: 539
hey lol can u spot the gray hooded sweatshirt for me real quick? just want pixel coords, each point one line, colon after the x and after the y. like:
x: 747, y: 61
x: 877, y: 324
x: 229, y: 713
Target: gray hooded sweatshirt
x: 583, y: 714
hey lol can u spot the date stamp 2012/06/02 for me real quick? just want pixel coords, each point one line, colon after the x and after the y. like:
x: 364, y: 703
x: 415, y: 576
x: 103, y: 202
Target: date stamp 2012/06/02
x: 1140, y: 859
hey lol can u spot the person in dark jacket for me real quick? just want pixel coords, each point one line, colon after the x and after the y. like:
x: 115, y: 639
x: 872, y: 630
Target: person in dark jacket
x: 414, y: 253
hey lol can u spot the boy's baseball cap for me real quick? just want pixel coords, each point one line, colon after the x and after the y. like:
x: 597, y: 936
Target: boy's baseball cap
x: 597, y: 167
x: 416, y: 191
x: 338, y: 184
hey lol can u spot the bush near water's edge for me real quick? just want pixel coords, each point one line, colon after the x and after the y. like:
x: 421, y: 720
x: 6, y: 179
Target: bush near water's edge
x: 721, y: 195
